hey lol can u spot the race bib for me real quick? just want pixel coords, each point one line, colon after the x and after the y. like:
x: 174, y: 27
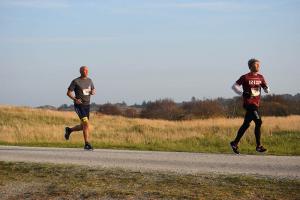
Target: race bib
x: 255, y: 92
x: 86, y: 91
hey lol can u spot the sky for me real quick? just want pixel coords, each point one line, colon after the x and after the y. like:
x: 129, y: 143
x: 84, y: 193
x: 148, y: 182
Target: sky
x: 140, y: 50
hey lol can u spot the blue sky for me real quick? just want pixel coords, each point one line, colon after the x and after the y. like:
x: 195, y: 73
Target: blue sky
x: 144, y: 49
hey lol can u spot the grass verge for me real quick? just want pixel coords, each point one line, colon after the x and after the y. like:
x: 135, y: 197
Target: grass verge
x: 280, y: 143
x: 35, y: 127
x: 48, y: 181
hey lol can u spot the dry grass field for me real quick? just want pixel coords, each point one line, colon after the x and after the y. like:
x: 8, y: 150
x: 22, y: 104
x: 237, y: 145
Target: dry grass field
x: 48, y: 181
x: 36, y: 127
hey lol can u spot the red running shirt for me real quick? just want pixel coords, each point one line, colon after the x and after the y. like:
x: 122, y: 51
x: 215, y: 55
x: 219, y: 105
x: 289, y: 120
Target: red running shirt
x: 252, y: 83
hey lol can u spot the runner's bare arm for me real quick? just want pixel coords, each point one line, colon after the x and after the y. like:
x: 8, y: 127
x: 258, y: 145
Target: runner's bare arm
x: 70, y: 94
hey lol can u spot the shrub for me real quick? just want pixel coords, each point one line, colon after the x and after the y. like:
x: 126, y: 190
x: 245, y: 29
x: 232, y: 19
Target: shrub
x: 109, y: 109
x: 162, y: 109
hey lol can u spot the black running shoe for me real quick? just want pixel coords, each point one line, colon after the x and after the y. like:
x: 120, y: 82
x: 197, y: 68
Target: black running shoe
x: 68, y: 132
x: 88, y: 147
x: 234, y: 147
x: 261, y: 149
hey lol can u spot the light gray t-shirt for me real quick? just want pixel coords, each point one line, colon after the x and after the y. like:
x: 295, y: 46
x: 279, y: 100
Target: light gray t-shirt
x: 82, y: 89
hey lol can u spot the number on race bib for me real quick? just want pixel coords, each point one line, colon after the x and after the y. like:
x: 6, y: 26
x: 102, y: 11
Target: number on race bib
x: 255, y: 92
x: 86, y: 91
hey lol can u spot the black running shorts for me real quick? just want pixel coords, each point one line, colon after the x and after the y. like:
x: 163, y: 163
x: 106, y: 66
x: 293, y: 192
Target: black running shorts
x: 83, y: 112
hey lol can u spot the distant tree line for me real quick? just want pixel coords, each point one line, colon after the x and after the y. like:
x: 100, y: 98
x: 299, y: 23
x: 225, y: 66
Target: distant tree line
x: 271, y: 105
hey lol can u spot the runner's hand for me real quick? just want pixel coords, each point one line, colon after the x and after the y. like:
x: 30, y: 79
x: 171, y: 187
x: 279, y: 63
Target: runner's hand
x: 267, y: 90
x: 77, y: 101
x: 93, y: 92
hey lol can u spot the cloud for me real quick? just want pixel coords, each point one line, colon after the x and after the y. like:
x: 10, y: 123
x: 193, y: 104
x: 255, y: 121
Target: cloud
x: 52, y: 40
x: 37, y: 3
x: 154, y: 6
x: 226, y: 6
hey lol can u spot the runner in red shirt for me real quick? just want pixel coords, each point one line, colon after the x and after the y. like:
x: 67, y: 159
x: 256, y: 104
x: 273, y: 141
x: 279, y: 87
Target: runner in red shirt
x: 252, y: 84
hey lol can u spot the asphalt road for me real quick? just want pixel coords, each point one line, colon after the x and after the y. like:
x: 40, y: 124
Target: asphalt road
x: 179, y: 162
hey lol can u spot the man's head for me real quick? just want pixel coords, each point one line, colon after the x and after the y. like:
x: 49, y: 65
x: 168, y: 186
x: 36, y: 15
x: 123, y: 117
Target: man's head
x: 84, y: 71
x: 253, y: 65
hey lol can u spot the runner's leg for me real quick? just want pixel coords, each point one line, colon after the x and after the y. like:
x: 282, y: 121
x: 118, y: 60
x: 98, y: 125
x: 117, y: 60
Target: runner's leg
x: 258, y: 123
x: 85, y: 123
x: 85, y: 128
x: 248, y: 118
x: 77, y: 128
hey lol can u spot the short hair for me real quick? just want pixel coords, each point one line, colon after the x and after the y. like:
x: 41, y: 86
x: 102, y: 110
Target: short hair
x: 252, y: 61
x: 82, y: 67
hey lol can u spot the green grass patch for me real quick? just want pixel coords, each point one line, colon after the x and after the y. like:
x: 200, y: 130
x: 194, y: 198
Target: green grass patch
x: 49, y: 181
x: 279, y: 143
